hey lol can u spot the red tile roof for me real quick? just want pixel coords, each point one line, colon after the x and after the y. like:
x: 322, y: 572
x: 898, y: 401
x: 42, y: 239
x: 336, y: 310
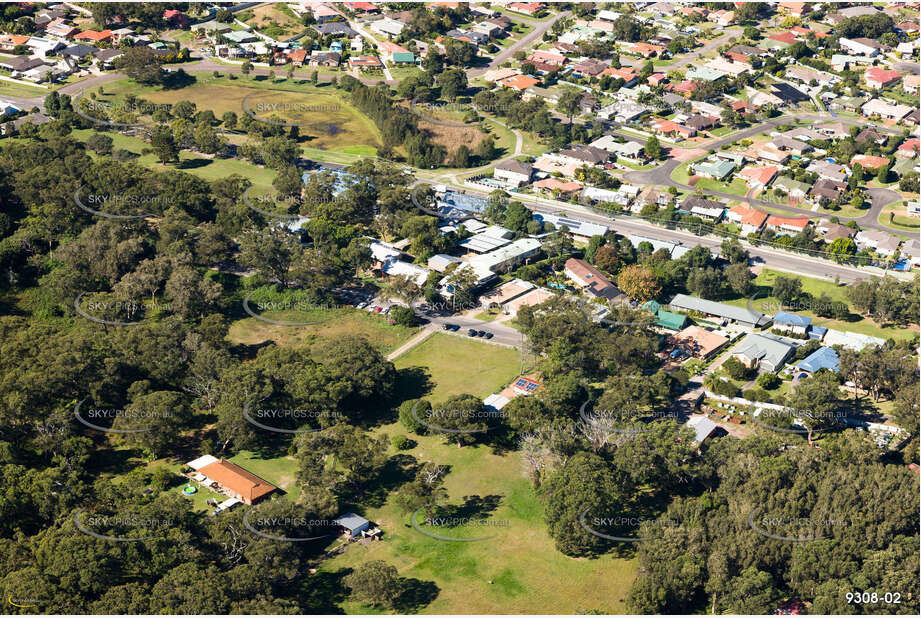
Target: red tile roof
x: 236, y: 479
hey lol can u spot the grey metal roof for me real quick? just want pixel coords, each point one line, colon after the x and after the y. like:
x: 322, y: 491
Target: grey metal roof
x: 764, y: 348
x: 351, y: 521
x: 739, y: 314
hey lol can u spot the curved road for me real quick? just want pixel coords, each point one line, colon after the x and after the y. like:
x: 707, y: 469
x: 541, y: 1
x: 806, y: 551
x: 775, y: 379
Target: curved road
x: 661, y: 176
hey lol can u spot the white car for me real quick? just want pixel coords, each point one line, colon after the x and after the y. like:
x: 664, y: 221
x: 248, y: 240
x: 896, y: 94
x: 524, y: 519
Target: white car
x: 361, y: 305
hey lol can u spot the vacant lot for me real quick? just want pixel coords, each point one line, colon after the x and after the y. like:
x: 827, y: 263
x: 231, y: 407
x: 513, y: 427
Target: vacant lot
x: 274, y: 20
x: 516, y: 570
x: 332, y: 323
x: 204, y: 167
x: 456, y: 365
x: 325, y: 120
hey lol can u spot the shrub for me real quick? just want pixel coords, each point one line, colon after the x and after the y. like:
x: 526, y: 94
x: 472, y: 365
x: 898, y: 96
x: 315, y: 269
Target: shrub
x: 768, y: 381
x: 411, y: 422
x: 402, y: 443
x: 401, y: 315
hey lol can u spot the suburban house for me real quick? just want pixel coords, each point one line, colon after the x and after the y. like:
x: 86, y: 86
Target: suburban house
x: 758, y: 177
x: 717, y: 170
x: 787, y: 225
x: 791, y: 323
x: 828, y: 189
x: 229, y: 478
x: 861, y: 46
x: 823, y: 358
x: 763, y: 351
x: 833, y: 231
x: 513, y: 173
x: 387, y: 26
x: 793, y: 188
x: 699, y: 342
x: 881, y: 78
x: 740, y: 315
x: 707, y: 209
x: 750, y: 219
x: 879, y: 241
x: 869, y: 162
x: 590, y: 279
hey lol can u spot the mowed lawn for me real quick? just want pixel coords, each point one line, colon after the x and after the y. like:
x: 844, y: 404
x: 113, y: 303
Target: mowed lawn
x: 516, y: 570
x: 768, y: 304
x: 456, y: 365
x: 331, y: 324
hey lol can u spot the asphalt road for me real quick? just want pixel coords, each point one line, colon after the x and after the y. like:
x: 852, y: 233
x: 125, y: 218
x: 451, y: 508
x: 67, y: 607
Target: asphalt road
x: 523, y: 42
x: 661, y: 176
x: 502, y: 335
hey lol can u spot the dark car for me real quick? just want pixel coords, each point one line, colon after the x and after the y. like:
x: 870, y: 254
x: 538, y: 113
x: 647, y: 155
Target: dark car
x: 481, y: 333
x: 446, y: 326
x: 455, y: 327
x: 488, y: 335
x: 471, y: 332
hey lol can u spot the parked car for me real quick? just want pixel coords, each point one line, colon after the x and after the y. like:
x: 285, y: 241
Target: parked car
x: 446, y: 326
x: 471, y: 332
x: 387, y: 310
x: 481, y: 333
x: 361, y: 305
x: 377, y: 309
x: 487, y: 334
x: 455, y: 328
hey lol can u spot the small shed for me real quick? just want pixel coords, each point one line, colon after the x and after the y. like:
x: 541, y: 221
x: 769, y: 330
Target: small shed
x: 352, y: 524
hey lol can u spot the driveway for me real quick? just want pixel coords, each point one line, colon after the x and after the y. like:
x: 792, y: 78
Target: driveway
x: 526, y: 40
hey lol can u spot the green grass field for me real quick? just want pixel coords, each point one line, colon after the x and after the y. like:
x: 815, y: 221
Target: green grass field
x: 19, y: 90
x: 517, y: 569
x: 325, y: 119
x: 767, y: 303
x: 736, y: 187
x: 332, y: 323
x: 203, y: 167
x: 486, y: 368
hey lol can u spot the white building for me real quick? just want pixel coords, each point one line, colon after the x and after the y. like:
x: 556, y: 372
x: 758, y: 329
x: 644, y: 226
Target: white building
x: 858, y: 48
